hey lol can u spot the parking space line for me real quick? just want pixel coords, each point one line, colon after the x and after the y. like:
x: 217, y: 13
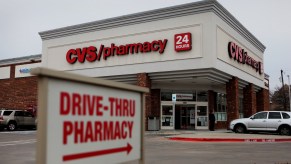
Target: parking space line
x: 19, y: 142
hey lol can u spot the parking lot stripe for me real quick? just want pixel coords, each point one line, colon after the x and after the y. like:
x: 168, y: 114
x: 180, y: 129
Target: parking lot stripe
x: 229, y: 139
x: 19, y: 142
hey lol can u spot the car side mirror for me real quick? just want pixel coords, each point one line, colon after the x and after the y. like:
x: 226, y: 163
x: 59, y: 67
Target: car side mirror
x: 252, y: 118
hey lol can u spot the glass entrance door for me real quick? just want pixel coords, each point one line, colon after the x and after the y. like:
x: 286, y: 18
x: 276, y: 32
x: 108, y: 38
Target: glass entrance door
x: 185, y: 116
x: 202, y: 117
x: 167, y: 120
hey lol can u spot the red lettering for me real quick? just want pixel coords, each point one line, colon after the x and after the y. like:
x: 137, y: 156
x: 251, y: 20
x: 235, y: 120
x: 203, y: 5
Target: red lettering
x: 65, y: 103
x: 91, y: 54
x: 231, y: 49
x: 98, y: 131
x: 88, y: 104
x: 93, y: 104
x: 124, y: 133
x: 146, y: 47
x: 117, y: 130
x: 111, y: 102
x: 81, y: 54
x: 132, y: 108
x: 125, y: 108
x: 238, y: 54
x: 121, y: 107
x: 113, y: 49
x: 78, y: 132
x: 68, y: 130
x: 106, y: 53
x: 100, y: 52
x: 163, y: 46
x: 107, y: 130
x: 118, y: 107
x: 121, y: 50
x: 155, y: 46
x: 99, y: 105
x: 130, y: 126
x: 89, y: 132
x: 76, y: 104
x: 69, y: 57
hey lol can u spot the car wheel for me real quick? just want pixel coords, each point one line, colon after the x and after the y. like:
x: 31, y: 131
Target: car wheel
x: 285, y: 130
x: 240, y: 129
x: 11, y: 126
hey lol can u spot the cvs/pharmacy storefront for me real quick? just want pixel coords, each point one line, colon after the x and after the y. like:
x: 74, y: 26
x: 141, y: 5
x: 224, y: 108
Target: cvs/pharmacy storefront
x: 197, y: 52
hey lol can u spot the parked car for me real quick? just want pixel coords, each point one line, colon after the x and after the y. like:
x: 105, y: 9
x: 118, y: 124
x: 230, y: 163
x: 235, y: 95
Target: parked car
x: 12, y: 119
x: 267, y: 121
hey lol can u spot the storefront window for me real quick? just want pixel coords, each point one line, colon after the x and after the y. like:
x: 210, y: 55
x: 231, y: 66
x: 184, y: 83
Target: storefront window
x: 166, y: 96
x: 220, y: 113
x: 202, y: 96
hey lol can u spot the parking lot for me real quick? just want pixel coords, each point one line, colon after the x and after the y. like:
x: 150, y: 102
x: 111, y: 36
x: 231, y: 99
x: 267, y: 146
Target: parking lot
x: 19, y: 148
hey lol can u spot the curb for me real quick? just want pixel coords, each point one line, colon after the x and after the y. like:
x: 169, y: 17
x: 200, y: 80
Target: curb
x: 228, y: 139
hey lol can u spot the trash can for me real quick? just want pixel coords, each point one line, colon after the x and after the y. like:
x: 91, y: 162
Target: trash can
x: 153, y: 123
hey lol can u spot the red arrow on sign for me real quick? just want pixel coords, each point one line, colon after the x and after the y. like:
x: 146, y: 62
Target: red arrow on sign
x: 69, y: 157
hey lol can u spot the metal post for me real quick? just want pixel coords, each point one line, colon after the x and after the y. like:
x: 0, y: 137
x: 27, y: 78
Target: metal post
x: 283, y: 88
x: 289, y: 93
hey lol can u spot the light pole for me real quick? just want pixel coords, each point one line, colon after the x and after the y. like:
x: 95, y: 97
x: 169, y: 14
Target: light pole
x: 283, y: 88
x: 289, y: 93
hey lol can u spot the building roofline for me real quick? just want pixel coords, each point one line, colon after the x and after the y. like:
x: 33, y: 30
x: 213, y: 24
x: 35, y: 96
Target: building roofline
x: 30, y: 58
x: 155, y: 15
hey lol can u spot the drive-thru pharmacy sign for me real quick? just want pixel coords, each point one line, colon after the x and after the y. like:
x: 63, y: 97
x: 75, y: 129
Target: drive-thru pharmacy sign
x: 88, y: 120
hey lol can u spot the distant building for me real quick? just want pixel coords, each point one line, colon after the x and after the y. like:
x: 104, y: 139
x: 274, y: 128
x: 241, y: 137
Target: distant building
x: 18, y: 89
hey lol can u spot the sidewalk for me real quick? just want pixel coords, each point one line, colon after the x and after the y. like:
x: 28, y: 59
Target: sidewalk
x: 218, y: 136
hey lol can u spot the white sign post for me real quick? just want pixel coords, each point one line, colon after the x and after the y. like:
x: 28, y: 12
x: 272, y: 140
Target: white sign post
x: 88, y: 120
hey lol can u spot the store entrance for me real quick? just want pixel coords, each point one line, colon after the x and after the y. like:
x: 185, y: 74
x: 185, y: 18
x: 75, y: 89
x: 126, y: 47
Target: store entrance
x: 185, y: 116
x: 180, y: 115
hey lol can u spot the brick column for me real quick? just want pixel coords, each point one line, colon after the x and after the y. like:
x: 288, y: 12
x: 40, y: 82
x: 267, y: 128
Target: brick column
x: 12, y: 71
x: 143, y: 80
x: 249, y: 101
x: 263, y: 100
x: 232, y: 100
x: 211, y: 100
x: 156, y: 102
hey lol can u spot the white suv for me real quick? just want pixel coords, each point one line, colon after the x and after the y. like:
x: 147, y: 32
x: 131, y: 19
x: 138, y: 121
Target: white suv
x: 12, y: 119
x: 269, y: 121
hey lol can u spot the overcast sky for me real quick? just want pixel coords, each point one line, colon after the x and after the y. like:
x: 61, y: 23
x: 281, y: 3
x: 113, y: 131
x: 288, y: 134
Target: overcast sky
x: 21, y: 20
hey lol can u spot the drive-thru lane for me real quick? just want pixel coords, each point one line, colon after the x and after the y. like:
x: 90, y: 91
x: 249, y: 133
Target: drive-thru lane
x: 159, y: 149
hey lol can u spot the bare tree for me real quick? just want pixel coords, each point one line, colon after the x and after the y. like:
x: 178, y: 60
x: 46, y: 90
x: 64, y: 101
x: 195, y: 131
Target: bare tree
x: 280, y: 98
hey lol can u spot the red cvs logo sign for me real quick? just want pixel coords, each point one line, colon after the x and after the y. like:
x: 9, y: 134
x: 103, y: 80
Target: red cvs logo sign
x: 183, y: 42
